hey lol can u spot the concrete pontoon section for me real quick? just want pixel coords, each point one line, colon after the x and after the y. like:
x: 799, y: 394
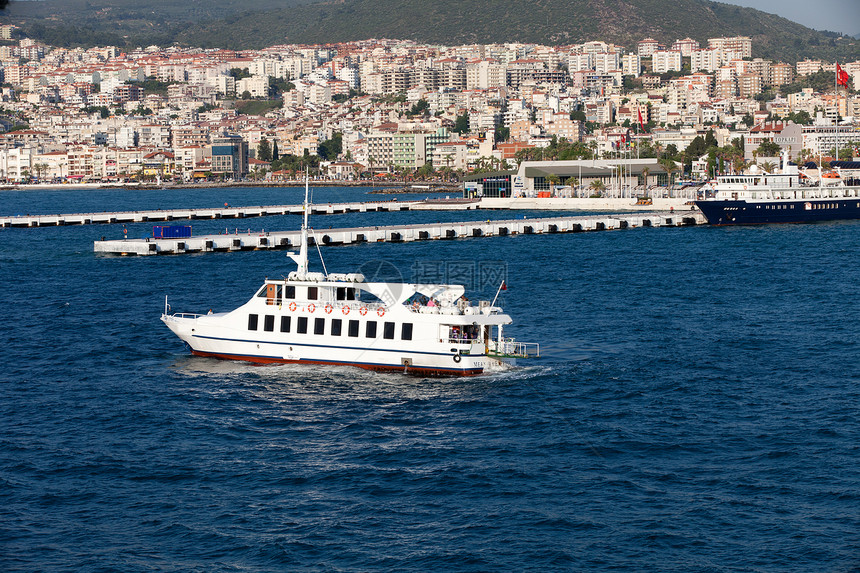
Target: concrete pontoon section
x: 396, y: 234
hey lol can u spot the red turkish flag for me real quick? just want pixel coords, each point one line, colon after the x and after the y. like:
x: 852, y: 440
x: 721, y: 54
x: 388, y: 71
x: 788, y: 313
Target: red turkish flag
x: 842, y: 76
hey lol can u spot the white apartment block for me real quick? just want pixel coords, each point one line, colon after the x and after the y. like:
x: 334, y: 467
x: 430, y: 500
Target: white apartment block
x: 705, y: 60
x: 631, y: 65
x: 667, y: 61
x: 257, y: 86
x: 686, y: 46
x: 647, y: 47
x: 580, y: 62
x: 349, y: 75
x: 485, y: 74
x: 808, y: 66
x: 737, y: 47
x: 608, y: 62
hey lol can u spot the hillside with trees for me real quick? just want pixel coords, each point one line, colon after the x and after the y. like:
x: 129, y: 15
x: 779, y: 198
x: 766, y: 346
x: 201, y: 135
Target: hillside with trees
x: 259, y: 23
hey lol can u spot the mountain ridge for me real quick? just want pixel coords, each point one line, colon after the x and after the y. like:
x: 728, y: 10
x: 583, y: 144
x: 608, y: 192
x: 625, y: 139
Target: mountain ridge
x: 259, y: 23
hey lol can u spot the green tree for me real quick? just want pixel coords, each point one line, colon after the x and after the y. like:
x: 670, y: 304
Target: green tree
x: 275, y: 154
x: 421, y: 107
x: 768, y: 149
x: 461, y: 125
x: 331, y: 148
x: 264, y: 150
x: 239, y: 73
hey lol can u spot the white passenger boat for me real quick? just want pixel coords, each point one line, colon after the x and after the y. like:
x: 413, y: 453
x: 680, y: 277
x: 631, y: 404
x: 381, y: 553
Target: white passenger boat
x: 321, y: 318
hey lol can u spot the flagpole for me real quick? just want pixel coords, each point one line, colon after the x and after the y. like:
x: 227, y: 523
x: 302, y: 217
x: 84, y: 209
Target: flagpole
x: 497, y: 293
x: 836, y: 95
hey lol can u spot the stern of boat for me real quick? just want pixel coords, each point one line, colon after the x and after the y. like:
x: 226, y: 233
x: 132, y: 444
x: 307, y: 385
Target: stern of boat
x: 508, y: 350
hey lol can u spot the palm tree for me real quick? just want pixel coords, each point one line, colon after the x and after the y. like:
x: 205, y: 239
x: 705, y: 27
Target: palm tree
x: 598, y: 187
x: 768, y: 166
x: 553, y: 180
x: 645, y: 172
x: 670, y: 167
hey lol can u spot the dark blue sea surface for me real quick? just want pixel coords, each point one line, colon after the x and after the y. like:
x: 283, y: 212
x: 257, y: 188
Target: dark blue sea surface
x: 695, y: 409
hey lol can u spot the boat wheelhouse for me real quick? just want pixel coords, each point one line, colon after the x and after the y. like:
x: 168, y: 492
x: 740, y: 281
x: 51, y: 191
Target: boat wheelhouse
x: 320, y: 318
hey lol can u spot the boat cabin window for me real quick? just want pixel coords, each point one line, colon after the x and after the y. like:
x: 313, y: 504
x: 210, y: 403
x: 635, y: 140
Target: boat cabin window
x: 406, y: 331
x: 353, y: 328
x: 269, y: 323
x: 313, y: 293
x: 285, y: 324
x: 345, y: 293
x: 289, y: 291
x: 336, y: 325
x: 464, y: 333
x: 302, y: 325
x: 370, y: 331
x: 388, y: 330
x: 252, y: 320
x: 319, y: 326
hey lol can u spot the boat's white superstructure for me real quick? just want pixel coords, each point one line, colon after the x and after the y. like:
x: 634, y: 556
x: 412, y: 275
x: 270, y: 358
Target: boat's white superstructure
x: 320, y: 318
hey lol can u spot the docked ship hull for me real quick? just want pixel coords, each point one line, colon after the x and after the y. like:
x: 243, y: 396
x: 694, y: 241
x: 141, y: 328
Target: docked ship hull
x: 767, y: 212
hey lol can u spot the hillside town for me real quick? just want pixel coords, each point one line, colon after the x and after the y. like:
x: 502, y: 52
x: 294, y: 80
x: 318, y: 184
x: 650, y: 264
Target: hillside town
x: 379, y: 109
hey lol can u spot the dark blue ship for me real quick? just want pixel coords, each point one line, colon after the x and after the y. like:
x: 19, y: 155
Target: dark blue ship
x: 790, y: 196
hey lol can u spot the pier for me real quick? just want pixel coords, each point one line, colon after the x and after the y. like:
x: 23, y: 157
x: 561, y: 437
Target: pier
x: 250, y: 241
x: 161, y: 215
x: 436, y: 204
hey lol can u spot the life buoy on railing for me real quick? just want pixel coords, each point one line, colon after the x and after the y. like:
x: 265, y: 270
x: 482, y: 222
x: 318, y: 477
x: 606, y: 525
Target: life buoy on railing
x: 381, y: 312
x: 328, y: 308
x: 345, y: 310
x: 312, y: 307
x: 292, y: 306
x: 362, y: 311
x: 457, y: 357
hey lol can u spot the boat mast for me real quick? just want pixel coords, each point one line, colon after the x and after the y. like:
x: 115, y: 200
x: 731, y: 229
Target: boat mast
x: 302, y: 258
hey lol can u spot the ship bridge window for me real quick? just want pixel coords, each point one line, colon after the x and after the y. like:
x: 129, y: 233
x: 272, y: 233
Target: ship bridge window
x: 302, y: 325
x: 388, y: 330
x: 345, y: 293
x: 313, y: 293
x: 289, y: 291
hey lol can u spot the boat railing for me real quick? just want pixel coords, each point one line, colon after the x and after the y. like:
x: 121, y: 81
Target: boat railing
x: 186, y: 315
x: 510, y: 347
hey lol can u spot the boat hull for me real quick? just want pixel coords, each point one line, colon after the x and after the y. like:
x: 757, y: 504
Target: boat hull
x: 436, y: 372
x: 437, y: 359
x: 768, y: 212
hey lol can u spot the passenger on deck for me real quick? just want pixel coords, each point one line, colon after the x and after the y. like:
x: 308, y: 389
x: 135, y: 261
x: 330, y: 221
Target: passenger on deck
x: 431, y: 302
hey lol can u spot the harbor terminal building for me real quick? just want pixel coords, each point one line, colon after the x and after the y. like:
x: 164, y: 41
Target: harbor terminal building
x: 573, y: 178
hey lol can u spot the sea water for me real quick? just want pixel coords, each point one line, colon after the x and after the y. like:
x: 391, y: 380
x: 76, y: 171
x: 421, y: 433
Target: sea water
x: 695, y: 408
